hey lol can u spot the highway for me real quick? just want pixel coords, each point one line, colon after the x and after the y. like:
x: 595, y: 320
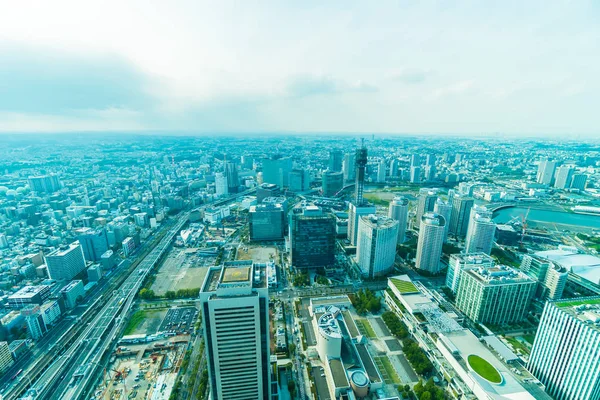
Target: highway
x: 69, y: 366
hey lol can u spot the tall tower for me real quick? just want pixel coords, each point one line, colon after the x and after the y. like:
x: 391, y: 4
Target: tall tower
x: 398, y: 210
x: 426, y: 203
x: 376, y: 250
x: 361, y: 165
x: 431, y: 239
x: 481, y: 231
x: 445, y: 210
x: 461, y: 211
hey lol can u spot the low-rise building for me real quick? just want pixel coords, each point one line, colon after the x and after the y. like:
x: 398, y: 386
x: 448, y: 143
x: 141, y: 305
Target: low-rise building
x: 72, y: 293
x: 29, y: 295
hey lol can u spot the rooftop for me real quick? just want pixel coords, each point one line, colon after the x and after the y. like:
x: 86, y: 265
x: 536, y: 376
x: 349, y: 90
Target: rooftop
x: 404, y: 286
x: 28, y: 292
x: 236, y: 274
x: 499, y: 275
x: 338, y: 372
x: 586, y: 310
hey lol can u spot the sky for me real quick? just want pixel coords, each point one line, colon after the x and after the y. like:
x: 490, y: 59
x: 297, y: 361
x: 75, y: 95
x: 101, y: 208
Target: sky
x: 464, y: 67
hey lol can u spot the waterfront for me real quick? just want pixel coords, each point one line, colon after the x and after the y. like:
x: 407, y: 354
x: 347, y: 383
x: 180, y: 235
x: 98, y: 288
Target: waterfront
x: 557, y: 220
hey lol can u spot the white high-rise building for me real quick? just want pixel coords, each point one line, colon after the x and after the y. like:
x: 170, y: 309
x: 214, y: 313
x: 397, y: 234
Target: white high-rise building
x: 221, y: 188
x: 415, y: 174
x: 354, y: 214
x: 445, y: 210
x: 381, y: 171
x: 463, y: 262
x: 565, y: 355
x: 349, y: 166
x: 564, y: 175
x: 235, y: 318
x: 545, y: 172
x: 431, y: 239
x: 398, y: 210
x: 65, y: 262
x: 394, y: 166
x: 481, y: 231
x: 376, y: 248
x: 426, y: 203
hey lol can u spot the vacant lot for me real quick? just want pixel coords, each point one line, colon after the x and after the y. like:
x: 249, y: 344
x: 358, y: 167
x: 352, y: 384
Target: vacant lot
x: 258, y: 254
x: 181, y: 270
x: 144, y: 322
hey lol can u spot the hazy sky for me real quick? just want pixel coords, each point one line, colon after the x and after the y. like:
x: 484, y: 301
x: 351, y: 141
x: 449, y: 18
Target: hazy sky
x: 469, y: 67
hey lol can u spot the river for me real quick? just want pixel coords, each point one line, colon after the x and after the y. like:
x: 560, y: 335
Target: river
x: 550, y: 219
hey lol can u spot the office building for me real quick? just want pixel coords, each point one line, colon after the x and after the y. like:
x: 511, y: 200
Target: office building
x: 267, y: 190
x: 481, y: 231
x: 66, y: 262
x: 94, y: 243
x: 299, y: 180
x: 398, y: 211
x: 463, y: 262
x: 36, y: 328
x: 381, y: 171
x: 445, y: 210
x: 578, y: 181
x: 276, y: 170
x: 231, y: 175
x: 431, y: 240
x: 426, y: 202
x: 333, y: 182
x: 415, y: 160
x: 221, y: 188
x: 129, y: 246
x: 376, y: 248
x: 349, y: 167
x: 312, y: 237
x: 415, y: 174
x: 50, y: 312
x: 267, y: 222
x: 394, y: 167
x: 551, y: 277
x: 29, y: 295
x: 6, y: 360
x: 564, y: 176
x: 72, y: 293
x: 429, y: 173
x: 354, y: 214
x: 44, y: 183
x: 235, y: 318
x: 335, y: 160
x: 566, y: 350
x: 495, y: 295
x: 430, y: 161
x: 545, y: 172
x: 461, y: 212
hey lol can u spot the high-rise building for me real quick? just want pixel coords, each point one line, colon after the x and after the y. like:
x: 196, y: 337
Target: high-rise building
x: 267, y: 222
x: 235, y: 319
x: 415, y: 174
x: 349, y: 166
x: 415, y: 160
x: 431, y: 240
x: 6, y: 360
x: 44, y: 183
x: 481, y: 231
x: 221, y: 188
x: 267, y: 190
x: 429, y: 173
x: 463, y: 262
x: 445, y: 210
x: 495, y: 295
x: 335, y: 160
x: 299, y: 180
x: 276, y: 170
x: 354, y: 213
x: 426, y: 202
x: 231, y: 173
x: 461, y: 211
x: 394, y: 167
x: 376, y: 249
x: 430, y: 160
x: 36, y: 328
x: 398, y: 211
x: 94, y: 243
x: 545, y: 172
x: 381, y: 171
x: 578, y: 181
x: 551, y: 278
x: 361, y: 164
x: 312, y: 237
x: 564, y: 175
x: 333, y: 182
x: 65, y: 262
x: 565, y: 355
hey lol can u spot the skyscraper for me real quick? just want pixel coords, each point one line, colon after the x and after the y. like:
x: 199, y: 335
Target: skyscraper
x: 565, y: 355
x: 461, y: 211
x: 415, y: 174
x: 496, y: 295
x: 431, y: 239
x: 381, y: 171
x: 235, y: 317
x: 221, y: 187
x: 551, y: 277
x: 394, y: 167
x: 462, y: 262
x: 578, y: 181
x: 65, y: 262
x: 266, y: 222
x: 398, y: 210
x: 349, y: 166
x: 312, y: 237
x: 426, y: 203
x: 299, y: 180
x: 545, y: 172
x: 354, y: 213
x: 276, y: 170
x: 481, y: 231
x: 94, y: 243
x: 376, y: 249
x: 231, y: 173
x: 415, y: 160
x: 445, y: 210
x: 335, y: 160
x: 564, y: 175
x: 333, y: 182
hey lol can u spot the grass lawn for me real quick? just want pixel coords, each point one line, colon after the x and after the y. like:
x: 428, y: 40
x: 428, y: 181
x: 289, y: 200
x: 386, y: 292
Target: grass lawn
x: 518, y: 345
x: 365, y: 328
x: 484, y: 369
x: 574, y: 302
x: 387, y: 369
x: 136, y: 319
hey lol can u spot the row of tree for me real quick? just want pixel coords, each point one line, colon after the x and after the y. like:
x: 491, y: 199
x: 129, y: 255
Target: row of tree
x: 429, y: 391
x: 395, y: 325
x: 148, y: 294
x: 365, y: 301
x: 417, y: 357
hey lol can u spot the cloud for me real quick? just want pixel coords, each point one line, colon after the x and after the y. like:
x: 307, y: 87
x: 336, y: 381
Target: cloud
x: 311, y: 85
x: 411, y: 76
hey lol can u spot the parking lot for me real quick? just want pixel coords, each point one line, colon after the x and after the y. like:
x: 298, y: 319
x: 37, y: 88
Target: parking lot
x: 179, y: 320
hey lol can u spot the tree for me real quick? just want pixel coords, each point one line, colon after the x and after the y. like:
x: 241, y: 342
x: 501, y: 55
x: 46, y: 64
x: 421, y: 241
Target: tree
x: 291, y: 387
x: 292, y: 348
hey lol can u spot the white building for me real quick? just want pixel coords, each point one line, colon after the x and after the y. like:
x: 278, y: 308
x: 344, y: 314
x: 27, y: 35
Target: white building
x: 565, y: 355
x: 431, y: 239
x: 329, y: 335
x: 462, y: 262
x: 426, y: 203
x: 376, y: 249
x: 50, y: 312
x: 545, y: 172
x: 354, y: 213
x: 381, y: 171
x: 481, y: 231
x: 65, y: 262
x: 235, y: 314
x: 215, y: 215
x: 564, y: 175
x: 398, y: 211
x: 445, y: 210
x: 221, y: 188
